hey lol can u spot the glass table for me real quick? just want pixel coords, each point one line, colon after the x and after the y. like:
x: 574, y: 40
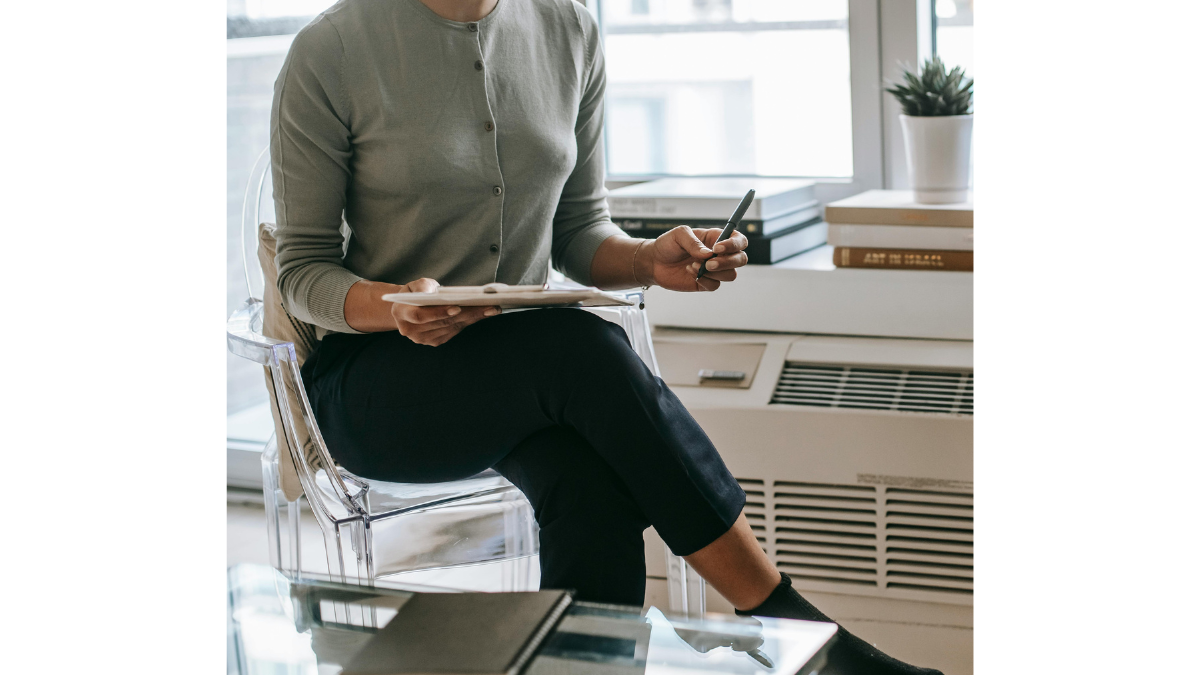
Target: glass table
x: 310, y: 626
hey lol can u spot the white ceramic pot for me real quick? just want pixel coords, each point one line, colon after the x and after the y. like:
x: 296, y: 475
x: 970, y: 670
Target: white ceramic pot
x: 939, y: 157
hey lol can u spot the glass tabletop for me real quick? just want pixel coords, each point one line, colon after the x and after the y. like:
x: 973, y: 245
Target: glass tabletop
x: 310, y: 626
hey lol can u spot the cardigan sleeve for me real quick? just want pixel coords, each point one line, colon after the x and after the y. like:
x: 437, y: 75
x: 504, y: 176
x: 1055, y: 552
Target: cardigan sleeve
x: 310, y: 164
x: 581, y: 221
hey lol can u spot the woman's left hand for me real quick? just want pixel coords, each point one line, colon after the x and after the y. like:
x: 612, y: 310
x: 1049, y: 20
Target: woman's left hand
x: 678, y: 254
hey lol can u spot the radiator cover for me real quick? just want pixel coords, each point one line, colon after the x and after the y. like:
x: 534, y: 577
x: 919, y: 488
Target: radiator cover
x: 897, y: 542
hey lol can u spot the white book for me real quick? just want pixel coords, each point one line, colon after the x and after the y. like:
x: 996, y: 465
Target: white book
x: 710, y: 198
x: 902, y: 236
x: 898, y: 207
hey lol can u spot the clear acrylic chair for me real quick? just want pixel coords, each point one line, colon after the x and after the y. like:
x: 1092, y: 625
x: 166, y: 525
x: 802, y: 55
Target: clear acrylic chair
x: 375, y: 531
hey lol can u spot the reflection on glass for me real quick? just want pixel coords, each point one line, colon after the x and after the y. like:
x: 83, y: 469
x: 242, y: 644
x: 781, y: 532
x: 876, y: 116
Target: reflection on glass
x: 281, y: 626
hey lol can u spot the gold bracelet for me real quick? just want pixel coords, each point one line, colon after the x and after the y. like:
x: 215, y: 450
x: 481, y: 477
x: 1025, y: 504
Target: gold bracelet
x: 633, y: 265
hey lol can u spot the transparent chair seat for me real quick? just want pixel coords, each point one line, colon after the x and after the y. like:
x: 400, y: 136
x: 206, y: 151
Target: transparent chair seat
x: 477, y: 520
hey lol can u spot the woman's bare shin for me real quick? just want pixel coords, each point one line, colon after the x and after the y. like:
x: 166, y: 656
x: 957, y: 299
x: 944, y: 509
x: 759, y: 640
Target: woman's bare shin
x: 737, y: 567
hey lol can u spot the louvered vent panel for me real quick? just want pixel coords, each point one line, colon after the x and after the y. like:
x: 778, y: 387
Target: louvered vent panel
x: 826, y: 532
x: 876, y: 540
x: 832, y: 386
x: 929, y: 539
x: 756, y: 507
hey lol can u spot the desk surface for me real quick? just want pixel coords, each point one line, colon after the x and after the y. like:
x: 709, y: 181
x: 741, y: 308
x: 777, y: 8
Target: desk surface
x: 808, y: 294
x: 311, y: 627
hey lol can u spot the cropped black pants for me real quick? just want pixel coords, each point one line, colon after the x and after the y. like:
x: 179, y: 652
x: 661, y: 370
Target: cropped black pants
x: 557, y: 402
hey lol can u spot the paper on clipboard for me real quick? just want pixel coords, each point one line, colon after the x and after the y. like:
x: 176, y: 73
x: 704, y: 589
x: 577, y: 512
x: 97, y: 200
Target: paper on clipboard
x: 505, y: 296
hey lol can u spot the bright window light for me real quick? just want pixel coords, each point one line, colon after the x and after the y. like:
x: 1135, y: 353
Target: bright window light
x: 727, y: 87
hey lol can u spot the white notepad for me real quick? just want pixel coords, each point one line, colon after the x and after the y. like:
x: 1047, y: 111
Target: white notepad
x: 503, y: 295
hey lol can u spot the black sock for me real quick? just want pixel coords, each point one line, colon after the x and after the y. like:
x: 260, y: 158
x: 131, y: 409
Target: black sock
x: 850, y: 655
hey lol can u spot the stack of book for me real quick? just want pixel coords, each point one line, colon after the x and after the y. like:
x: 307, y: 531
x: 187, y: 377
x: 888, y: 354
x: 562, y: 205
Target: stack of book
x: 886, y: 229
x: 783, y: 220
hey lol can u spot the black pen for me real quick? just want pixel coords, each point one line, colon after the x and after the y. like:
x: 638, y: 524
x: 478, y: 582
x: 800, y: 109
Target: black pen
x: 730, y: 226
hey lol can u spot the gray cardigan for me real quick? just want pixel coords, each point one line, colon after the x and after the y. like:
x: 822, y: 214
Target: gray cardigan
x: 464, y: 152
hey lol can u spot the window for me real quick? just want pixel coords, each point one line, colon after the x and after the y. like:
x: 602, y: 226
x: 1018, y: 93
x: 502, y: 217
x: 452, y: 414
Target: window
x: 727, y: 87
x: 259, y: 33
x: 953, y: 22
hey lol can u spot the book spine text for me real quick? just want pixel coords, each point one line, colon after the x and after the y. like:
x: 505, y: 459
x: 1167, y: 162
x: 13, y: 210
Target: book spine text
x: 904, y: 259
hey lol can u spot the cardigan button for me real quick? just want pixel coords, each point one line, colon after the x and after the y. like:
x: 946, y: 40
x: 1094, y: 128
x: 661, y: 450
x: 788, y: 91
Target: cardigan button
x: 497, y: 190
x: 493, y: 248
x: 488, y: 126
x: 479, y: 65
x: 474, y: 28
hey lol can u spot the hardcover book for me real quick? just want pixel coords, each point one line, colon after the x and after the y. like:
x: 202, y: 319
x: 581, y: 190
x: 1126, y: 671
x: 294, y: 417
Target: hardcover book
x: 897, y: 207
x: 771, y: 249
x: 902, y: 236
x: 710, y: 198
x: 904, y: 259
x: 746, y: 226
x: 462, y: 634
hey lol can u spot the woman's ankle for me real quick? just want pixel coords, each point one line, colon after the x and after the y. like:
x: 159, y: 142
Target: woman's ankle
x: 736, y: 566
x: 754, y: 596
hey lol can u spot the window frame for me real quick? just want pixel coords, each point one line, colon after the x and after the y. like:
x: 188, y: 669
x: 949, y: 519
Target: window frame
x: 867, y: 135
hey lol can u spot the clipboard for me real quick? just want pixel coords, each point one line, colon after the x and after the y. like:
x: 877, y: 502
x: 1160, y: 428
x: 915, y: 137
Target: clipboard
x: 508, y: 297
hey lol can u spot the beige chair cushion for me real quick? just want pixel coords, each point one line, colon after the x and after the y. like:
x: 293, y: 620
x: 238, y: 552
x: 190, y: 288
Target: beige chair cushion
x: 280, y: 325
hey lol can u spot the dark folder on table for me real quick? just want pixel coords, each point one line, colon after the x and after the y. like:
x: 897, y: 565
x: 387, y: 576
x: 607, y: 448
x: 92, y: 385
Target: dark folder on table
x: 462, y: 634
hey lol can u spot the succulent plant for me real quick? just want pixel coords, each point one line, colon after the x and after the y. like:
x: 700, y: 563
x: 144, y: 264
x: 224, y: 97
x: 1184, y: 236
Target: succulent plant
x: 934, y: 93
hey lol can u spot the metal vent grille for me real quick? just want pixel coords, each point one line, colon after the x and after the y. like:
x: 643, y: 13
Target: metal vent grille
x: 831, y: 386
x: 929, y: 537
x: 756, y: 507
x: 869, y: 539
x: 826, y: 532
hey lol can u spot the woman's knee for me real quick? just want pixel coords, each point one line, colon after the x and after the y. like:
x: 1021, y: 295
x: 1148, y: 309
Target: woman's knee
x: 566, y: 480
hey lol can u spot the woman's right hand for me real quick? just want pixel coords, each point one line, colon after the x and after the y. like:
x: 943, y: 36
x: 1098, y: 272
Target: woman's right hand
x: 435, y: 325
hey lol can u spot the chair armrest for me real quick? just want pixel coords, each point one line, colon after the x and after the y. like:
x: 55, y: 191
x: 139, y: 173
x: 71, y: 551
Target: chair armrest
x: 243, y: 335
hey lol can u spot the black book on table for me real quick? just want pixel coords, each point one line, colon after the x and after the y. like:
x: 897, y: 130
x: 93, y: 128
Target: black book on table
x: 770, y: 249
x: 461, y: 634
x: 653, y: 226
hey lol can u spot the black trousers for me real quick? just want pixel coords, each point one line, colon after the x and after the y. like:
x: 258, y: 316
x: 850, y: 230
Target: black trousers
x: 557, y: 402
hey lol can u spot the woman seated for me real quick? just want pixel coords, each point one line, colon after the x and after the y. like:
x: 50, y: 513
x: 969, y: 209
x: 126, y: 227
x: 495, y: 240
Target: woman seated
x: 463, y: 142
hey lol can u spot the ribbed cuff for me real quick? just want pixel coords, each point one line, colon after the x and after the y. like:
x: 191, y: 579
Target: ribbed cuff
x: 577, y: 259
x: 326, y: 300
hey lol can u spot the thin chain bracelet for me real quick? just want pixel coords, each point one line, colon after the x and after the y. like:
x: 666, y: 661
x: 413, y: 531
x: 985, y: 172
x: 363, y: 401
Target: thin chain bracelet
x: 633, y: 269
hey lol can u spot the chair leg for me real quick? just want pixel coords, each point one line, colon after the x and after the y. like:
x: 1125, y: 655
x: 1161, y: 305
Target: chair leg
x: 283, y: 544
x: 685, y: 588
x: 361, y: 531
x: 293, y: 511
x: 274, y: 546
x: 520, y: 570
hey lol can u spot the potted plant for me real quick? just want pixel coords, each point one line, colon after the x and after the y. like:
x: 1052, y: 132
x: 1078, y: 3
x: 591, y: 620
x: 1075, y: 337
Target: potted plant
x: 937, y: 131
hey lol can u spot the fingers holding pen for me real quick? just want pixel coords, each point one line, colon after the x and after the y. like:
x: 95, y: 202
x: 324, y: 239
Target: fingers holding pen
x: 736, y: 243
x: 731, y: 254
x: 707, y: 283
